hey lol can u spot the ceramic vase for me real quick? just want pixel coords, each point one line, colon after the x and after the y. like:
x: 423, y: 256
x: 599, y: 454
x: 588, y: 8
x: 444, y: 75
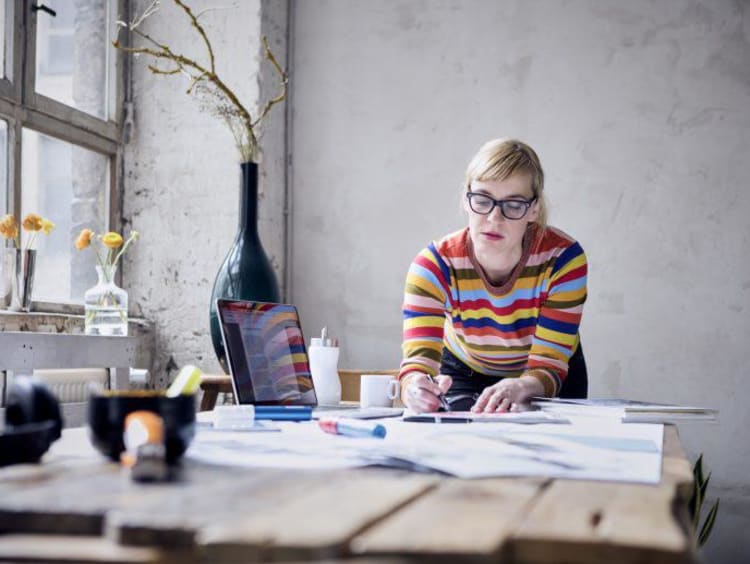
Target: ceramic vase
x: 246, y: 273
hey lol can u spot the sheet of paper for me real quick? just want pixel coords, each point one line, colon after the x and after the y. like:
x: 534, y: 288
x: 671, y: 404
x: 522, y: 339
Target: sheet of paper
x: 584, y: 449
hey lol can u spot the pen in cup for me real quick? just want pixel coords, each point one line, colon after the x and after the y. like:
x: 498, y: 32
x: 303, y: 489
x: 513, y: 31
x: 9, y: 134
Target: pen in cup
x: 441, y: 396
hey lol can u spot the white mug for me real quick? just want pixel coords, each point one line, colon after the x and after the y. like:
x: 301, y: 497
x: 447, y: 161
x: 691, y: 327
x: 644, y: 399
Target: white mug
x: 378, y: 390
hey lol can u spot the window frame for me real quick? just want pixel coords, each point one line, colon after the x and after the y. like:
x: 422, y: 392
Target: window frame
x: 22, y: 107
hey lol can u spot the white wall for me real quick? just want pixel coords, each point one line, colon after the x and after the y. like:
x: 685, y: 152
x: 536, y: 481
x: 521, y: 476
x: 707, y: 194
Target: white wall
x: 640, y: 112
x: 181, y: 185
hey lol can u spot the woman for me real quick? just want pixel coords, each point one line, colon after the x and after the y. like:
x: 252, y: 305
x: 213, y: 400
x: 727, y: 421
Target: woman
x: 494, y: 308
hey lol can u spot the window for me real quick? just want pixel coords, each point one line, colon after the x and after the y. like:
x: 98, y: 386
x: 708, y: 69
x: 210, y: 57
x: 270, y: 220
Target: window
x: 74, y: 55
x: 3, y: 50
x: 59, y: 137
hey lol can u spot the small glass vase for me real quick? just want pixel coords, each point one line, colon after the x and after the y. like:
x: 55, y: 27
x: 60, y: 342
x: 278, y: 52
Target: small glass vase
x: 106, y: 305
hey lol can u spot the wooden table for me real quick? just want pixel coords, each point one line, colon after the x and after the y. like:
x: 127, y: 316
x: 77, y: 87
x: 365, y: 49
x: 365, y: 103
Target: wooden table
x: 76, y: 507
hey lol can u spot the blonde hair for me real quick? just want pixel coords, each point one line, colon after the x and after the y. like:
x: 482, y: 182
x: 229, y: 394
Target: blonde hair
x: 502, y: 158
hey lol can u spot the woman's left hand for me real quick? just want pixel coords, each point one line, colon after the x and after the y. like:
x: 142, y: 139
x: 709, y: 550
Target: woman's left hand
x: 507, y: 394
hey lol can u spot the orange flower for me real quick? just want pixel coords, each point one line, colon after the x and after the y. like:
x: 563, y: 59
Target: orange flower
x: 112, y: 240
x: 47, y: 226
x: 32, y: 222
x: 84, y: 239
x: 9, y: 227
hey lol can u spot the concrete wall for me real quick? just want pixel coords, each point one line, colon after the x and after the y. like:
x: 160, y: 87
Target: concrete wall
x: 640, y: 112
x: 181, y: 185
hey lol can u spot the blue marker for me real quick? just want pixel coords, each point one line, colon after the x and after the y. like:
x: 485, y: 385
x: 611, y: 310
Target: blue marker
x: 283, y: 412
x: 352, y: 427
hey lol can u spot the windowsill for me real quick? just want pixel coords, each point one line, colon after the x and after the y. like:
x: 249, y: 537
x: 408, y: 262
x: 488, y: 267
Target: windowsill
x: 59, y: 322
x: 141, y: 333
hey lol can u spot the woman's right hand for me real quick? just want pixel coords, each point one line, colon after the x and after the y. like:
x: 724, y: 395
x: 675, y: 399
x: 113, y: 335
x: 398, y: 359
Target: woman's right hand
x: 420, y: 393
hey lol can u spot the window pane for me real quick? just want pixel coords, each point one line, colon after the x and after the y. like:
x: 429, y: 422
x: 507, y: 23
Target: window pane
x: 74, y: 54
x: 68, y: 185
x: 4, y: 4
x: 3, y: 167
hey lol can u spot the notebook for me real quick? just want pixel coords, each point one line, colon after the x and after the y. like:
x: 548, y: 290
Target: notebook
x: 628, y: 411
x: 268, y: 361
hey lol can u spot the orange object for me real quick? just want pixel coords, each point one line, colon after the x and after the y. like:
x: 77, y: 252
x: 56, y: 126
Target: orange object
x: 141, y: 428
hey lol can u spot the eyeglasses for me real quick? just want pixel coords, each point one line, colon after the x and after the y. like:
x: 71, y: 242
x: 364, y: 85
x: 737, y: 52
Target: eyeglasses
x: 511, y: 209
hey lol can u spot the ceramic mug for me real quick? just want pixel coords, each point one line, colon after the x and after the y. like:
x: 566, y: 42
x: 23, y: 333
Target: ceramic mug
x: 378, y: 390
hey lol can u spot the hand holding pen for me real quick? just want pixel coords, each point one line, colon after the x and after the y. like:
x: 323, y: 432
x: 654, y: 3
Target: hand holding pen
x: 423, y: 393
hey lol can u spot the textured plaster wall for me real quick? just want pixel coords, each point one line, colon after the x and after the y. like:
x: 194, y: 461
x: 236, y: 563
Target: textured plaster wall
x: 640, y: 112
x: 181, y: 176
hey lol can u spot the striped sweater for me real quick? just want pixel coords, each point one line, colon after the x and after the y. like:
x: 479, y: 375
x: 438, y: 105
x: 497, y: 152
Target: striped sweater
x: 530, y: 323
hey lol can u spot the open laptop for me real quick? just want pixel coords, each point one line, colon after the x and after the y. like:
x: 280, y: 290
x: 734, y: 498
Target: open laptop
x: 268, y: 362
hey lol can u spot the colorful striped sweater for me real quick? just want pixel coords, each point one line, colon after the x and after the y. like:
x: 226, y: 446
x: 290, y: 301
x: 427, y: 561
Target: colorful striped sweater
x: 530, y: 323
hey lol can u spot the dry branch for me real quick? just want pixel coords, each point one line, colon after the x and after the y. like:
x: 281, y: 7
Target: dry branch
x: 216, y: 96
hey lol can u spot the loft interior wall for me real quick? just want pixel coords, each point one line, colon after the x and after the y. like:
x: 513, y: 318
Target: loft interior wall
x: 181, y: 174
x: 640, y: 112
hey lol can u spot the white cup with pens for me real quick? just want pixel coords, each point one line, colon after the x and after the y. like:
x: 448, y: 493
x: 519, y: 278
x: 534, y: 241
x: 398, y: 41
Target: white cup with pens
x: 323, y: 354
x: 378, y: 390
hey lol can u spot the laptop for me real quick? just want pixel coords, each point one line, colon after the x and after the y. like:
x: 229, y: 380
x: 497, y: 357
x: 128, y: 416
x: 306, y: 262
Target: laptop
x: 267, y: 359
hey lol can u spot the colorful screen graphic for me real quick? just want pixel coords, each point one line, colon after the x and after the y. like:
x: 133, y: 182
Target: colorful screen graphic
x: 266, y: 353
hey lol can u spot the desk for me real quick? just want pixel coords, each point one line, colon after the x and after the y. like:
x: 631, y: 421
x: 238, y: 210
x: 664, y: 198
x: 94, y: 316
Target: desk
x: 215, y: 384
x: 84, y: 509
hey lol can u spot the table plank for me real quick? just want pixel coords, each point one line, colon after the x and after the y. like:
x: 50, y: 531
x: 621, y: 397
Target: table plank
x: 459, y: 519
x: 676, y: 468
x: 79, y: 550
x: 320, y: 522
x: 34, y: 498
x: 601, y: 522
x: 220, y: 501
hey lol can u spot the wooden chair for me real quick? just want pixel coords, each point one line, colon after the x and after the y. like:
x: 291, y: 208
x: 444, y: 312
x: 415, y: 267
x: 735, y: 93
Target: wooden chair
x: 214, y: 384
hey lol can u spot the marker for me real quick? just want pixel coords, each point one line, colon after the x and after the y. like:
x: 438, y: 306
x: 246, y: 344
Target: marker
x: 187, y: 381
x: 352, y: 427
x: 283, y: 412
x: 441, y: 396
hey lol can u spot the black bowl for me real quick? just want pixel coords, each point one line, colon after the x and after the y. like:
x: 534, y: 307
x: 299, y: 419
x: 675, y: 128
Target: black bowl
x: 108, y: 410
x: 27, y: 442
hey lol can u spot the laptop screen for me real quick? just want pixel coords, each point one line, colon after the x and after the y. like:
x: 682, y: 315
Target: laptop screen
x: 266, y: 353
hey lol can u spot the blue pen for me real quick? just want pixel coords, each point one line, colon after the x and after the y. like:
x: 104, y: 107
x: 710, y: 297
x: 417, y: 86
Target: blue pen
x: 283, y: 412
x: 352, y: 427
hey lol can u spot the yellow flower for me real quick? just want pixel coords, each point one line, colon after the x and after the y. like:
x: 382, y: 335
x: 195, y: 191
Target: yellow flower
x: 9, y: 227
x: 84, y: 239
x: 32, y: 222
x: 47, y: 226
x: 112, y: 240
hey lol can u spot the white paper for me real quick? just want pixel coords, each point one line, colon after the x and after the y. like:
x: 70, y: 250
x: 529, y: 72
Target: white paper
x: 585, y: 449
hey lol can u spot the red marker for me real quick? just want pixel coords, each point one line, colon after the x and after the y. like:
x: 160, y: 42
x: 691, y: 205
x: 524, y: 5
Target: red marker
x: 352, y: 427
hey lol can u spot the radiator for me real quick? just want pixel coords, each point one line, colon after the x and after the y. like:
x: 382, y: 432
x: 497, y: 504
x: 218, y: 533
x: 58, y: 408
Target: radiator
x: 74, y: 385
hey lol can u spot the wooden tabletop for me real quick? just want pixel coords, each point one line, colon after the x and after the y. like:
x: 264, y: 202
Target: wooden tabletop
x: 76, y: 508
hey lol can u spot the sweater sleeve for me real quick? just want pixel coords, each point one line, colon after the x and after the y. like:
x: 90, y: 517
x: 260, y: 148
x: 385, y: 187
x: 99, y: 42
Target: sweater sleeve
x: 425, y: 303
x: 556, y: 334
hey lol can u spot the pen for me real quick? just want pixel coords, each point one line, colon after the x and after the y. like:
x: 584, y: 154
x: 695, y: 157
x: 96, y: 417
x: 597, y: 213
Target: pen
x: 352, y: 427
x: 441, y: 396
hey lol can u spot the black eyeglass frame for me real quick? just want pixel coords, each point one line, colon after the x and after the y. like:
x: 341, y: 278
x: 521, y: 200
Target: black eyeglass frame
x: 501, y: 204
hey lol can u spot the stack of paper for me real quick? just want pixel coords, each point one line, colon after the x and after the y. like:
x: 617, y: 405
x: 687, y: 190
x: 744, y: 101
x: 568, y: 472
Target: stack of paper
x: 627, y: 411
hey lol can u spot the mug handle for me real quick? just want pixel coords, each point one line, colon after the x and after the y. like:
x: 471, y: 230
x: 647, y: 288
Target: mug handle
x: 394, y: 389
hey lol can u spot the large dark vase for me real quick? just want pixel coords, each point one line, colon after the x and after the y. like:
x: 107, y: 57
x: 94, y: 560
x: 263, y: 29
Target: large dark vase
x: 246, y: 272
